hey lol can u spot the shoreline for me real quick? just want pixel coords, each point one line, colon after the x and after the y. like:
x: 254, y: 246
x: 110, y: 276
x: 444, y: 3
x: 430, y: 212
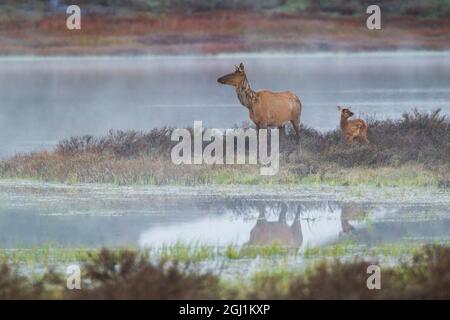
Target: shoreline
x: 329, y: 189
x: 230, y: 55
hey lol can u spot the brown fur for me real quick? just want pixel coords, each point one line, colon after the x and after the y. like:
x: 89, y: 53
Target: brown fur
x: 266, y: 108
x: 352, y: 129
x: 349, y: 212
x: 266, y: 233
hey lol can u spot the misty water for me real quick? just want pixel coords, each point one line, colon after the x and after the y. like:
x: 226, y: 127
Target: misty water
x: 91, y: 216
x: 44, y: 100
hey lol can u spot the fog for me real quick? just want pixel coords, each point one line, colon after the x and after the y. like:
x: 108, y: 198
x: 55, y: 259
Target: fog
x: 44, y: 100
x: 36, y: 213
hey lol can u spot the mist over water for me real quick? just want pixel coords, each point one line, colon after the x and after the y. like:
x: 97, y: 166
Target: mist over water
x: 46, y: 100
x: 93, y: 216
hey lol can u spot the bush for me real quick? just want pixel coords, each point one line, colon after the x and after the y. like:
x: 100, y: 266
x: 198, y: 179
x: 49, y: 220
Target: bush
x: 427, y: 277
x: 125, y: 274
x: 14, y: 286
x: 128, y: 157
x: 129, y: 275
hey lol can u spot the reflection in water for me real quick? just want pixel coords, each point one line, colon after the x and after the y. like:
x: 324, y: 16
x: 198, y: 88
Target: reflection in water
x: 90, y: 217
x: 266, y: 233
x: 351, y: 211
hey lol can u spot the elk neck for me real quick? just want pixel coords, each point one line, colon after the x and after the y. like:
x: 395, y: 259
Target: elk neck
x: 343, y: 122
x: 245, y: 94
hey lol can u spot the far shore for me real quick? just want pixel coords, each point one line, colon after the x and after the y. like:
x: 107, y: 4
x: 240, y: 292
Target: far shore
x: 217, y: 32
x: 243, y: 55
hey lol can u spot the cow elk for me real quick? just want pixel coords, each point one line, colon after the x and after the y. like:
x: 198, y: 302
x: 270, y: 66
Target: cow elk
x: 352, y: 129
x: 267, y: 233
x: 267, y: 109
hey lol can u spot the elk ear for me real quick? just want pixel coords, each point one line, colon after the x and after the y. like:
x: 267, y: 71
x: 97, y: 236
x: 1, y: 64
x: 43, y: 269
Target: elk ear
x: 339, y: 108
x: 241, y: 67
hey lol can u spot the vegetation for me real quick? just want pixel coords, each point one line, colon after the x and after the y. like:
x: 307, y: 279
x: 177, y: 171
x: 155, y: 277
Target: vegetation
x: 412, y: 151
x: 172, y: 27
x: 128, y: 274
x: 337, y: 280
x: 431, y: 8
x: 52, y: 256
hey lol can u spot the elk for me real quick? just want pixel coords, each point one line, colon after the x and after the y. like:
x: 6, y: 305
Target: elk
x: 351, y: 212
x: 266, y: 233
x: 266, y: 108
x: 352, y: 129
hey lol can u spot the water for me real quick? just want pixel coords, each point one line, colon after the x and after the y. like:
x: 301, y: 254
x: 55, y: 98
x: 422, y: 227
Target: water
x: 92, y: 216
x: 45, y: 100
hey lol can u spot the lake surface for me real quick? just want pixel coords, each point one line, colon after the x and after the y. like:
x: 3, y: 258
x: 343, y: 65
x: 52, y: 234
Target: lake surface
x: 33, y: 214
x: 44, y: 100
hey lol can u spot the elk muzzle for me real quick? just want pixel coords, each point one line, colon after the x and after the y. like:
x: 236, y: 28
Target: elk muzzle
x: 222, y: 80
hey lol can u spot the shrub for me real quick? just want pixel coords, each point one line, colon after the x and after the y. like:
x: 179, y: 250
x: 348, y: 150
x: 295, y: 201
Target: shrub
x: 127, y: 157
x: 129, y: 275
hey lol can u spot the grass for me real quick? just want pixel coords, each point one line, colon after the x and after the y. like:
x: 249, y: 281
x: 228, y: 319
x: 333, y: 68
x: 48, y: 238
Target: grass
x: 49, y: 256
x: 413, y: 151
x: 45, y: 256
x: 128, y: 274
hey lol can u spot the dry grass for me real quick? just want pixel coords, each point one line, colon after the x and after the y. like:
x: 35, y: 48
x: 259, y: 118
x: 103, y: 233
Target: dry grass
x: 414, y: 150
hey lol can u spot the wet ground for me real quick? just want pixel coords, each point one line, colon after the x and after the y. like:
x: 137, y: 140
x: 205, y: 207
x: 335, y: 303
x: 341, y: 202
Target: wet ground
x: 91, y: 216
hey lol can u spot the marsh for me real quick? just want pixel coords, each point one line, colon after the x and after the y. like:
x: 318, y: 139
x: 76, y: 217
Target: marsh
x: 213, y: 224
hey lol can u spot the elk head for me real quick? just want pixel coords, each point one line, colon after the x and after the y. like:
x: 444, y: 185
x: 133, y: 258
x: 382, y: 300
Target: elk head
x: 345, y: 112
x: 235, y: 78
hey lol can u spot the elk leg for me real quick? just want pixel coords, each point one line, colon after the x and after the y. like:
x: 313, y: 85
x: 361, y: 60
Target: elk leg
x: 281, y: 130
x: 296, y: 126
x: 282, y: 217
x: 296, y: 227
x: 262, y: 213
x: 257, y: 133
x: 364, y: 139
x: 297, y: 215
x: 347, y: 228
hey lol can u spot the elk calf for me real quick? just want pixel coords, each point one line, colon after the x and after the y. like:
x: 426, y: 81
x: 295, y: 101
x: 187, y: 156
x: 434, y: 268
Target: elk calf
x: 352, y: 129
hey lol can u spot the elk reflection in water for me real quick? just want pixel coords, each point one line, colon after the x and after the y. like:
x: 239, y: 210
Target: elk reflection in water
x: 279, y: 232
x: 349, y: 212
x: 266, y: 233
